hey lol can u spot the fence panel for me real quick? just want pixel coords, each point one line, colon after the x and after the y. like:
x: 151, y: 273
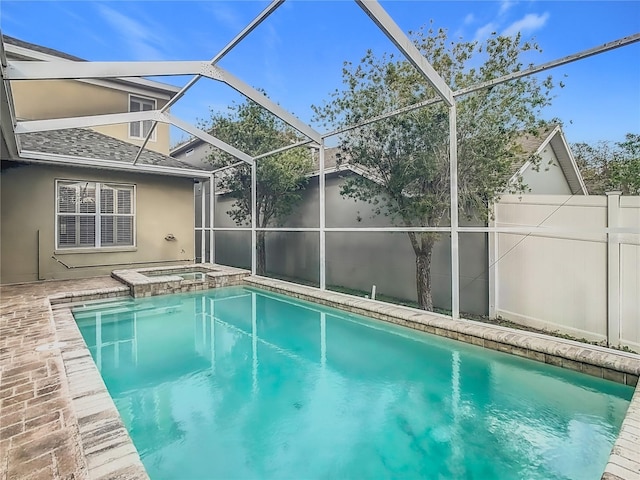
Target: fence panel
x: 582, y: 281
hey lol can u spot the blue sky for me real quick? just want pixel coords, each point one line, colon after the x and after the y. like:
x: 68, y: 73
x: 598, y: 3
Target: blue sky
x: 296, y: 56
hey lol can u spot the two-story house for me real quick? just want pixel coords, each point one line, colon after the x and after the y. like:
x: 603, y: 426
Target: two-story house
x: 45, y: 99
x: 72, y: 205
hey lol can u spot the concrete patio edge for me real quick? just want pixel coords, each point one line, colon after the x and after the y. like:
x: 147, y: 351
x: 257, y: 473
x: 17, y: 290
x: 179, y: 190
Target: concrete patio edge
x: 108, y: 450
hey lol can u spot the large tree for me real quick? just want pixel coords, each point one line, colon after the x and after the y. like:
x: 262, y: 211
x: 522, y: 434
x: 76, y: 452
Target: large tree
x: 407, y: 156
x: 607, y: 166
x: 280, y: 177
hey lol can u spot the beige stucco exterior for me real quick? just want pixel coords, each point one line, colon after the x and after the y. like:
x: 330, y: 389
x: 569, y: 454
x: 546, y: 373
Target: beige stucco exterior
x: 46, y: 99
x: 548, y: 178
x: 164, y: 205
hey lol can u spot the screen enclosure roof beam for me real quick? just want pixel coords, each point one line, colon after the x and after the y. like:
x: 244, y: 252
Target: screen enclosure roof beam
x: 201, y: 134
x: 86, y: 70
x: 56, y: 159
x: 64, y: 70
x: 385, y: 23
x: 117, y: 118
x: 226, y: 49
x: 264, y: 101
x: 605, y: 47
x: 30, y: 126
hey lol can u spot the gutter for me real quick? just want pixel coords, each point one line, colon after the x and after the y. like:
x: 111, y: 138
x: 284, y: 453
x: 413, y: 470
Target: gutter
x: 54, y: 159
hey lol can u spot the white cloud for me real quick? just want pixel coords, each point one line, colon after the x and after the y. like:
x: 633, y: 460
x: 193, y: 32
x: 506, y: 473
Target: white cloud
x: 10, y: 19
x: 485, y: 31
x: 144, y: 41
x: 528, y: 24
x: 505, y: 6
x: 469, y: 19
x: 81, y: 24
x: 273, y: 68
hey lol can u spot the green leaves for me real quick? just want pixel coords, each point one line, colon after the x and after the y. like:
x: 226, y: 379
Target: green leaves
x: 406, y: 157
x: 280, y: 177
x: 409, y: 154
x: 609, y: 167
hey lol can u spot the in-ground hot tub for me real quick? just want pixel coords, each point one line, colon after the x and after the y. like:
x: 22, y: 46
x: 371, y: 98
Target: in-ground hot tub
x: 146, y: 282
x: 196, y: 275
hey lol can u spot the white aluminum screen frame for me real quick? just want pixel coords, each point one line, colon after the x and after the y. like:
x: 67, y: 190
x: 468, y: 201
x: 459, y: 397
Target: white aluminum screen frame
x: 208, y: 69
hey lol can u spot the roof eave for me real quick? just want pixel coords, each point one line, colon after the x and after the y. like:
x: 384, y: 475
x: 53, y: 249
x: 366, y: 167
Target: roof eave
x: 85, y: 162
x: 193, y: 142
x: 7, y: 115
x: 558, y: 143
x: 568, y: 163
x: 29, y: 54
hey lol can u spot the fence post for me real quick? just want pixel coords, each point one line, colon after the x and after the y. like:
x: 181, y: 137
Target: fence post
x: 613, y: 269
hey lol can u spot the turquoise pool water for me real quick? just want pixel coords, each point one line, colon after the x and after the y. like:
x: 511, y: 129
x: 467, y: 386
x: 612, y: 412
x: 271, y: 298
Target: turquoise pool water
x: 240, y: 383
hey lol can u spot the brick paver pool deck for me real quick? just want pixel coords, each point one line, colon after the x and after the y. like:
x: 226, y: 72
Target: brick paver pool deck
x: 57, y: 420
x: 38, y: 429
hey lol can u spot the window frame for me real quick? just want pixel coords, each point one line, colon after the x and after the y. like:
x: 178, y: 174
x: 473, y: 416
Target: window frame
x: 141, y: 99
x: 98, y: 215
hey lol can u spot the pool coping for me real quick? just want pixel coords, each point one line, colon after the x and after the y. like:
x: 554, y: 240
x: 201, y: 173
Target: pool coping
x: 109, y: 451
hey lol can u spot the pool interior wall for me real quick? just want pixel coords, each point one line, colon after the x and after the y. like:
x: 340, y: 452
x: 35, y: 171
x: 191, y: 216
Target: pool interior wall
x: 85, y: 382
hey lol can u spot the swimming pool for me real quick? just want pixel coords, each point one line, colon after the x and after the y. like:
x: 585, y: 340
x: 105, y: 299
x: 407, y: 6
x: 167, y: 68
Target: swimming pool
x: 239, y: 383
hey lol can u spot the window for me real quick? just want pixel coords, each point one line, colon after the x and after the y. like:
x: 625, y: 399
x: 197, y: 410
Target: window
x: 94, y: 215
x: 141, y: 129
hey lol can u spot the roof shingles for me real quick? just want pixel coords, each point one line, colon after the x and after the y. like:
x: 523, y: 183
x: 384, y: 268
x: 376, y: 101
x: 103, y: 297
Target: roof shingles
x: 78, y: 142
x: 39, y: 48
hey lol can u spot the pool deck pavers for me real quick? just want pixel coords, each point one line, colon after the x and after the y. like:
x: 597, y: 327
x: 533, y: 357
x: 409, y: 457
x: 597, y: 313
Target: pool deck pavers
x: 38, y: 427
x: 57, y: 420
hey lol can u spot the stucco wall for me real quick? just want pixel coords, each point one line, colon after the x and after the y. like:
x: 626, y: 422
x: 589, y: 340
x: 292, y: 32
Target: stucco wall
x: 45, y: 99
x: 163, y: 205
x: 548, y: 179
x: 197, y: 157
x: 357, y: 260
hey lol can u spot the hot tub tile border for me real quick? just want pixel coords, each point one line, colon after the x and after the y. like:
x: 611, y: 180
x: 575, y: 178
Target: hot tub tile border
x: 141, y: 285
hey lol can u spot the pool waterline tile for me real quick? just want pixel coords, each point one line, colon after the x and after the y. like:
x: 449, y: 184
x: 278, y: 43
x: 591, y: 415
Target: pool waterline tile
x: 557, y: 351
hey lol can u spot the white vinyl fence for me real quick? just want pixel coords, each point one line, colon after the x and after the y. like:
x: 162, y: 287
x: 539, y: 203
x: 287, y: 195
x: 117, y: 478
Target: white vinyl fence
x: 581, y: 278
